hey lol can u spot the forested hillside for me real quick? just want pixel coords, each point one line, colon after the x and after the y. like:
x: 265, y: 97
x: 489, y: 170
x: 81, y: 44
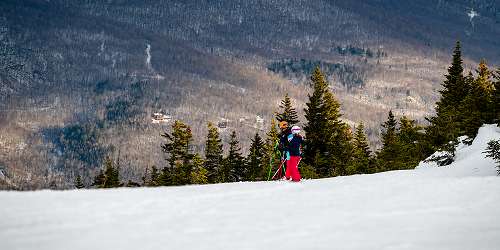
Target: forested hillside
x: 80, y: 80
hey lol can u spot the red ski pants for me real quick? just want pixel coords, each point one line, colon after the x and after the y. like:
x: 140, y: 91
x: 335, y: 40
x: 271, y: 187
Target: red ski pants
x: 292, y: 168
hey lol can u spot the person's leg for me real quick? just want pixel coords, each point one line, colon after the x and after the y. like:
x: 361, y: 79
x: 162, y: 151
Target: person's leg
x: 295, y: 170
x: 288, y: 173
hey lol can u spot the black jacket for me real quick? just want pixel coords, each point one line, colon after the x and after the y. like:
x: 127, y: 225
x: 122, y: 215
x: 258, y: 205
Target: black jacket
x: 283, y: 137
x: 294, y: 145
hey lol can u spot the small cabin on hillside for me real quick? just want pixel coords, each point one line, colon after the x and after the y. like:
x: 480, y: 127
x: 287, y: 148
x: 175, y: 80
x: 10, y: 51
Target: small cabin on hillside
x: 159, y: 117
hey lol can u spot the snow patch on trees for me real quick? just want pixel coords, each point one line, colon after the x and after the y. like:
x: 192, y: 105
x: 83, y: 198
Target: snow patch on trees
x: 469, y: 160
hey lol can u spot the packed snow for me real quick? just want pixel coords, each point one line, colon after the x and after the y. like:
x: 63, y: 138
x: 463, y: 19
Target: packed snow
x: 452, y: 207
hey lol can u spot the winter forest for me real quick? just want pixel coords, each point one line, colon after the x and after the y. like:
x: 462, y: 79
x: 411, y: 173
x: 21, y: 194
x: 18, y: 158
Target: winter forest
x: 248, y: 124
x: 332, y: 148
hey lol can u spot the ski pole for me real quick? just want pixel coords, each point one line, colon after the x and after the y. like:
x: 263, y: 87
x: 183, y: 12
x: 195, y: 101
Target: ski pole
x: 279, y: 168
x: 271, y: 163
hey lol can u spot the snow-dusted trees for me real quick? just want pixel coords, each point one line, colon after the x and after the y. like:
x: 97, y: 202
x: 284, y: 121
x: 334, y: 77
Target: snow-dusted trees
x: 493, y: 151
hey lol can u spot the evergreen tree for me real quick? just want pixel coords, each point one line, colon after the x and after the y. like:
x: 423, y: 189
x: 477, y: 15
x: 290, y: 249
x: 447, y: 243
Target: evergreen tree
x: 199, y: 173
x: 111, y: 174
x: 316, y: 149
x: 109, y: 178
x: 271, y: 157
x: 154, y: 180
x: 288, y: 113
x: 454, y: 87
x: 78, y: 182
x: 361, y: 158
x: 213, y: 154
x: 234, y: 165
x: 493, y: 151
x: 328, y: 146
x: 99, y: 179
x: 339, y: 147
x: 477, y: 105
x: 496, y: 96
x: 408, y: 138
x: 485, y: 88
x: 179, y: 157
x: 445, y: 126
x: 387, y: 156
x: 255, y: 159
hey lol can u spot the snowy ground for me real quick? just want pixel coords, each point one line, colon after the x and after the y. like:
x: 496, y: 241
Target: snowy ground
x: 454, y: 207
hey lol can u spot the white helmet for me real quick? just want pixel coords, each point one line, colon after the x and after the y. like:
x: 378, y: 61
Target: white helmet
x: 295, y: 130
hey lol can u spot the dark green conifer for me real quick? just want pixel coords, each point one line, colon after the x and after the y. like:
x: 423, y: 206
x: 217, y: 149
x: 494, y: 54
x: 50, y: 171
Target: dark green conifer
x: 361, y: 153
x: 112, y: 174
x: 316, y: 145
x: 154, y: 180
x: 99, y: 179
x: 408, y: 139
x: 387, y: 156
x: 339, y: 147
x: 78, y: 182
x: 255, y: 159
x: 288, y: 113
x: 477, y: 106
x: 213, y: 154
x: 496, y: 96
x: 234, y: 165
x: 444, y: 127
x: 179, y: 156
x: 454, y: 88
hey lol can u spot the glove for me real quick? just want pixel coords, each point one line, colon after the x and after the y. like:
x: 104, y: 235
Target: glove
x: 287, y: 155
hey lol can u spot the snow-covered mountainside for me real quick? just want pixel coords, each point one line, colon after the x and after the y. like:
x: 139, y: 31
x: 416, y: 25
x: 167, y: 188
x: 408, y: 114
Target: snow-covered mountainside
x: 453, y: 207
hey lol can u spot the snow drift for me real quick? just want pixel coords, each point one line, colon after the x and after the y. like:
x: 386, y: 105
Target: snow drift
x: 453, y: 207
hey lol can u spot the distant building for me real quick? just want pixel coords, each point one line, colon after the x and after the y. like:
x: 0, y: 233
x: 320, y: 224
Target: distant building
x: 159, y: 117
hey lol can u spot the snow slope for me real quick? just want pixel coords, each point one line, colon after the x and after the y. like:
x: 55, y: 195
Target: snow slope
x: 454, y: 207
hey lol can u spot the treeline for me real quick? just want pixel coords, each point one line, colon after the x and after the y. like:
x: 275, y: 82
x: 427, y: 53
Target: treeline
x: 331, y: 147
x: 349, y: 75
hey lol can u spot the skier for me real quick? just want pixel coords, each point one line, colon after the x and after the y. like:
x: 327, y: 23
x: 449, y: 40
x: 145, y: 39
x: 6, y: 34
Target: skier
x: 283, y: 145
x: 295, y: 141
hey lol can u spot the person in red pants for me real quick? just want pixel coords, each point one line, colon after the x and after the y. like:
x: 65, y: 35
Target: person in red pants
x: 295, y: 150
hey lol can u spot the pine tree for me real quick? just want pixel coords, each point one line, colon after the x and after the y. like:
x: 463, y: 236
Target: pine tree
x: 454, y: 88
x: 387, y: 156
x: 213, y: 154
x: 112, y: 174
x: 154, y: 180
x: 496, y: 96
x: 99, y: 179
x: 361, y: 158
x: 316, y: 150
x: 288, y: 113
x: 408, y: 139
x: 445, y: 126
x: 234, y: 164
x: 477, y: 106
x: 78, y: 182
x: 485, y: 89
x: 493, y: 151
x: 199, y: 173
x: 255, y: 159
x: 339, y: 148
x: 271, y: 157
x: 179, y: 157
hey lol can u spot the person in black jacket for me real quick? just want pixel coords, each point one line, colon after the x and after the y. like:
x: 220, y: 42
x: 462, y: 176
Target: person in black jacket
x: 283, y: 147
